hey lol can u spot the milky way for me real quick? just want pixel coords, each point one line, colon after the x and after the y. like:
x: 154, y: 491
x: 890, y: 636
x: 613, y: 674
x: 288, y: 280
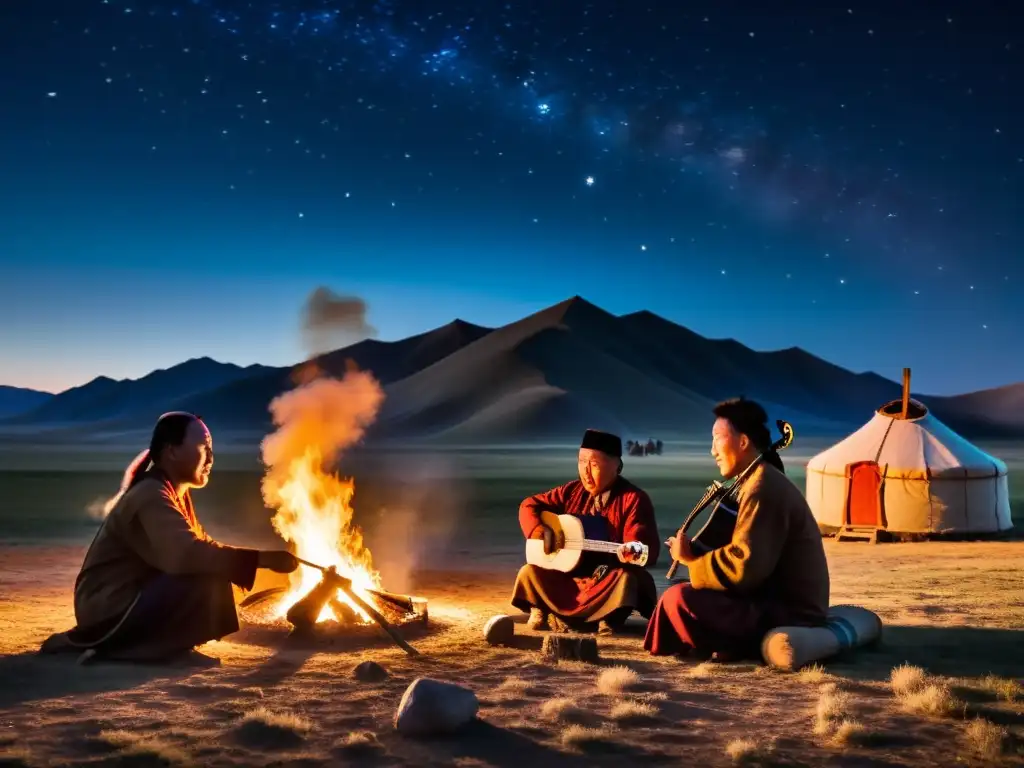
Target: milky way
x: 621, y: 89
x: 833, y: 176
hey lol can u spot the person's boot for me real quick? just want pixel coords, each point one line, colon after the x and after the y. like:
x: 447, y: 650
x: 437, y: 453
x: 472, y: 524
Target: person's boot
x: 538, y: 619
x: 558, y: 624
x: 614, y: 623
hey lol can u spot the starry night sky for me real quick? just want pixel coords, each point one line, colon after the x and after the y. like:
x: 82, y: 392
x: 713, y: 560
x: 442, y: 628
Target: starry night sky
x: 179, y: 175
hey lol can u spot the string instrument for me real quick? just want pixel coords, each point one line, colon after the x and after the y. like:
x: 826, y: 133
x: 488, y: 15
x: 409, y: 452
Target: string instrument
x: 583, y: 535
x: 718, y: 530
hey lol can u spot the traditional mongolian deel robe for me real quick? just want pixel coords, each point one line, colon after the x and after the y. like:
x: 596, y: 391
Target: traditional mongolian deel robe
x: 154, y: 584
x: 584, y: 599
x: 773, y: 573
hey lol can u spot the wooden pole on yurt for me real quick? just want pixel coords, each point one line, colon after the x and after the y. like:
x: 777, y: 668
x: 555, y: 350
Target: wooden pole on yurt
x: 906, y: 392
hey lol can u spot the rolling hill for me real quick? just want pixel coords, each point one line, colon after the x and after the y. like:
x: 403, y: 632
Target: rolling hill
x: 18, y: 400
x: 543, y: 378
x: 105, y: 399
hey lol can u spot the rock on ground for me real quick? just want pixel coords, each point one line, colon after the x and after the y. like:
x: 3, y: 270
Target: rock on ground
x: 431, y: 707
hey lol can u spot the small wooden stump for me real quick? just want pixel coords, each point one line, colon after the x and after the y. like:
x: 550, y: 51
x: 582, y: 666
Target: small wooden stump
x: 570, y: 648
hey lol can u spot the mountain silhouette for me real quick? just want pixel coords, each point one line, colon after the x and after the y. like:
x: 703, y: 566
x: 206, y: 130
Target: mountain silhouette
x: 15, y: 400
x: 105, y: 399
x: 545, y: 377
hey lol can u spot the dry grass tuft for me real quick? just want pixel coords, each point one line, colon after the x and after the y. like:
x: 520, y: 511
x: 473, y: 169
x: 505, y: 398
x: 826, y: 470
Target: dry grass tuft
x: 516, y: 687
x: 703, y: 670
x: 987, y: 739
x: 563, y: 710
x: 361, y: 742
x: 628, y: 712
x: 583, y: 738
x: 615, y: 681
x: 1003, y: 688
x: 651, y: 696
x: 933, y: 699
x: 813, y: 674
x: 848, y: 732
x: 832, y: 708
x: 262, y: 728
x: 918, y: 696
x: 744, y: 751
x: 513, y: 685
x: 906, y: 679
x: 145, y: 747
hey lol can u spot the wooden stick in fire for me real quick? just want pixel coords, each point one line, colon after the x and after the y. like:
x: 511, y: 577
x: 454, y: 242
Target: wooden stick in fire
x: 345, y: 585
x: 401, y: 601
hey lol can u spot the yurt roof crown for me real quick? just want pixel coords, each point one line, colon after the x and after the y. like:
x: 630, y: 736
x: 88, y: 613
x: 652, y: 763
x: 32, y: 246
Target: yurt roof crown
x: 905, y: 408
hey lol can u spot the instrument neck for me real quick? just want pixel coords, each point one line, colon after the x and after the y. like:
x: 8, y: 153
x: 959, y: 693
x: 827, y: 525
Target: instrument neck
x: 596, y: 545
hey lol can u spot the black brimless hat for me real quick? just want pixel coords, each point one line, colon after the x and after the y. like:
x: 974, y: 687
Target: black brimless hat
x: 605, y: 442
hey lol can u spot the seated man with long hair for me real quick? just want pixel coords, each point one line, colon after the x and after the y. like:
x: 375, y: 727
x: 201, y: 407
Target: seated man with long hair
x: 154, y: 584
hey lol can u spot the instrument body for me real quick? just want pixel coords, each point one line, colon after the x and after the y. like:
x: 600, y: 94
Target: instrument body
x: 586, y: 545
x: 719, y: 528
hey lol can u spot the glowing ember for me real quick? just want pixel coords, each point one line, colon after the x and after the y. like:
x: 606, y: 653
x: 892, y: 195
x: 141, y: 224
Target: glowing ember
x: 316, y: 421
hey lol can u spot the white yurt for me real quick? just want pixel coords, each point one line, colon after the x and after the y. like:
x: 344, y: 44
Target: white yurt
x: 905, y: 472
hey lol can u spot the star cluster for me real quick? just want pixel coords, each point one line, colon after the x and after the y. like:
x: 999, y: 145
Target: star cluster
x: 822, y: 150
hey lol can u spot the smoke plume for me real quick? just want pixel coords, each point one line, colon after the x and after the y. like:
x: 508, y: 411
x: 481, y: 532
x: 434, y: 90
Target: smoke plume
x: 330, y: 320
x: 323, y: 415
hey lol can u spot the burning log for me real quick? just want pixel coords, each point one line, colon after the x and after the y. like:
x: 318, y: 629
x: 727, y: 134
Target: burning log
x: 403, y: 603
x: 345, y: 613
x: 304, y: 613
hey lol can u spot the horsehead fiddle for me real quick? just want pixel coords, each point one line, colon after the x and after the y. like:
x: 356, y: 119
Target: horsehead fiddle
x: 718, y: 530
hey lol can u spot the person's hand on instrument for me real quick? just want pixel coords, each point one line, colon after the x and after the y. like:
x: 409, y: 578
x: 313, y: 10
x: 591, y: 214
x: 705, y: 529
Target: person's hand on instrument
x: 628, y: 552
x: 552, y: 541
x: 680, y: 549
x: 278, y: 560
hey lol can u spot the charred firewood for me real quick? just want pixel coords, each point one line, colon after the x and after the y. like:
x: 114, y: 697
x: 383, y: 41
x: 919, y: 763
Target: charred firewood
x: 343, y: 612
x: 404, y: 603
x: 304, y: 613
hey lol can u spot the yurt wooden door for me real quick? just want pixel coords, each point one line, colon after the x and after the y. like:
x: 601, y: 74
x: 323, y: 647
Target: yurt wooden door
x: 864, y: 494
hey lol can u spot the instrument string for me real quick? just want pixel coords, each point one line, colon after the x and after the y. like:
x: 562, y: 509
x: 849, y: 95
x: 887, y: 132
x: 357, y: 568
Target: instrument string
x: 592, y: 545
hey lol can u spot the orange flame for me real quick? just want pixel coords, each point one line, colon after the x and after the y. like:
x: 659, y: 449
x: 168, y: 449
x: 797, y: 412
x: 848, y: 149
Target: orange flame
x: 316, y: 422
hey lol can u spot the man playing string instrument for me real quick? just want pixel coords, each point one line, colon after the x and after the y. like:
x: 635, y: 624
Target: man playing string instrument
x: 608, y: 596
x: 772, y: 573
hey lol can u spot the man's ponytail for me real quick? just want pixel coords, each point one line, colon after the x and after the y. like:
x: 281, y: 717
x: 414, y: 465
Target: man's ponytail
x: 133, y: 474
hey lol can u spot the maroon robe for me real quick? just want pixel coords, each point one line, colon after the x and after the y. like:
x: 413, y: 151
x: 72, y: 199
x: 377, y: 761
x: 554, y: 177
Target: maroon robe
x: 772, y: 573
x: 624, y: 588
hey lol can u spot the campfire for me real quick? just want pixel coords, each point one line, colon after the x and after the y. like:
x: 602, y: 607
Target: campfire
x: 337, y: 585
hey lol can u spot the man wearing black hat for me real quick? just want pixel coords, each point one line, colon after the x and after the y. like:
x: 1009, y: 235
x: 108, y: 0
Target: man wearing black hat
x: 608, y: 596
x: 772, y: 573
